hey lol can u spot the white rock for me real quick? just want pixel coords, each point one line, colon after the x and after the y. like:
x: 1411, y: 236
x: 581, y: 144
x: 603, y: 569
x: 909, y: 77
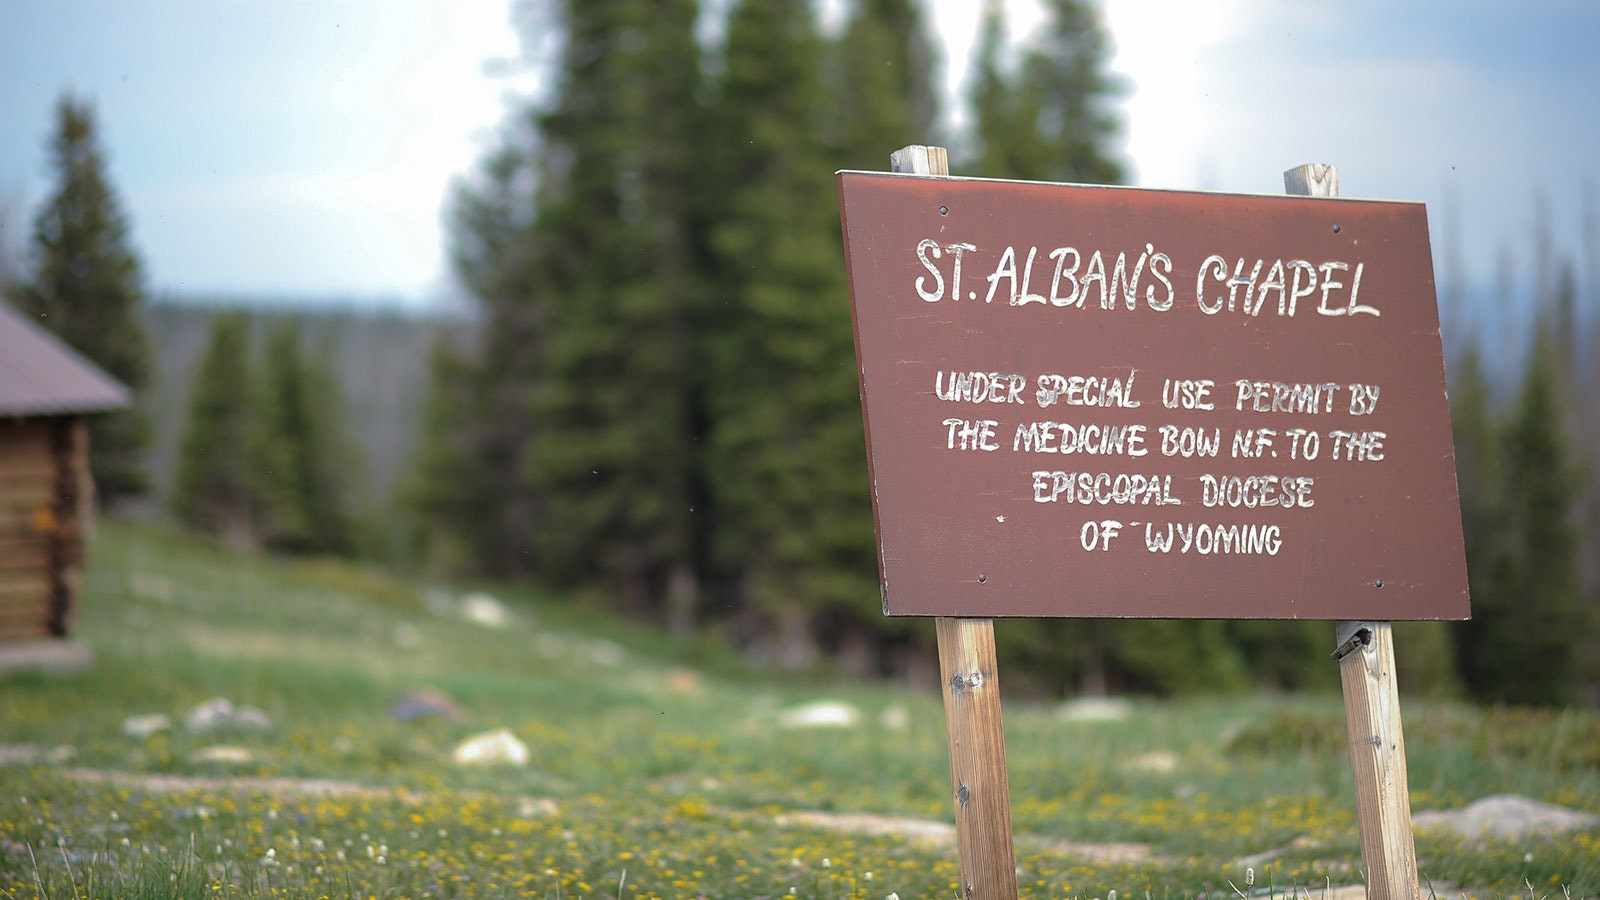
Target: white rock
x: 821, y: 714
x: 142, y: 727
x: 210, y: 715
x: 1506, y: 816
x: 219, y: 714
x: 481, y: 609
x: 1094, y: 709
x: 895, y: 718
x: 249, y: 718
x: 606, y: 653
x: 536, y: 808
x: 1159, y: 762
x: 223, y: 753
x: 492, y: 748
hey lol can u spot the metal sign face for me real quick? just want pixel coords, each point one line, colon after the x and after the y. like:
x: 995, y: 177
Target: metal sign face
x: 1087, y: 401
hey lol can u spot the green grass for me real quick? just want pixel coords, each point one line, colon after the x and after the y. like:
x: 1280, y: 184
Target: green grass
x: 662, y: 760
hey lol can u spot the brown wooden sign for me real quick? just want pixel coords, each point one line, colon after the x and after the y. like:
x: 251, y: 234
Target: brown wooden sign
x: 1086, y: 401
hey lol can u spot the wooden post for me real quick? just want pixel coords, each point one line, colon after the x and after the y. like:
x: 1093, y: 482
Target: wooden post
x: 1365, y: 651
x: 977, y: 758
x: 971, y: 688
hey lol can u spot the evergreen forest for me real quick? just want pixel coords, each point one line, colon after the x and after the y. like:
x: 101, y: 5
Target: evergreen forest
x: 652, y: 407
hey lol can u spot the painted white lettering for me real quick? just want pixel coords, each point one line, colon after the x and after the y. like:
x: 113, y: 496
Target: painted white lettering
x: 1274, y: 282
x: 1253, y: 491
x: 1207, y: 539
x: 1096, y: 273
x: 1190, y: 441
x: 1025, y: 296
x: 937, y: 293
x: 1125, y: 285
x: 1160, y: 270
x: 1253, y: 443
x: 1358, y: 446
x: 1303, y: 444
x: 1329, y: 285
x: 1216, y: 268
x: 976, y: 434
x: 1355, y: 291
x: 1005, y: 268
x: 1156, y: 541
x: 1363, y: 399
x: 1186, y: 393
x: 1248, y: 282
x: 1303, y: 271
x: 958, y: 250
x: 1070, y: 273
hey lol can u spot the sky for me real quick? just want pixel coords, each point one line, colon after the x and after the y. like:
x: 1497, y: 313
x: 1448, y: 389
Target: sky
x: 306, y: 148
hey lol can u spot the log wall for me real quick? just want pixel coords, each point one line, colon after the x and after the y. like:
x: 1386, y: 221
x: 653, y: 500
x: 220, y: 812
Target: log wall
x: 44, y: 505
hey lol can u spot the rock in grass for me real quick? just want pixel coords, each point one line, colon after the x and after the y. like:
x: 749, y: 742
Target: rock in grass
x: 895, y: 718
x: 1094, y: 709
x: 492, y: 748
x: 425, y: 703
x: 536, y: 807
x: 211, y: 715
x: 1506, y: 816
x: 249, y: 718
x: 219, y: 714
x: 481, y: 609
x: 607, y: 653
x: 821, y: 714
x: 142, y: 727
x: 225, y: 754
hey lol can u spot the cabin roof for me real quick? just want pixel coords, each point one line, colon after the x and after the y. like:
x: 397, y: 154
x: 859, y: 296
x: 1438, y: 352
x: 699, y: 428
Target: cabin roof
x: 41, y: 376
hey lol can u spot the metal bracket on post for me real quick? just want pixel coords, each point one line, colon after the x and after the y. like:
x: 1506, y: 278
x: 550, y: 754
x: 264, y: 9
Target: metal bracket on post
x: 1351, y: 636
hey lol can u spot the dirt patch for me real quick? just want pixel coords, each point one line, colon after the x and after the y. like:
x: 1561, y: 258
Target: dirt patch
x: 919, y: 830
x: 159, y: 782
x: 943, y: 834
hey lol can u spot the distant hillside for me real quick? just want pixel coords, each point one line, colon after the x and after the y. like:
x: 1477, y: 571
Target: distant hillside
x: 379, y: 358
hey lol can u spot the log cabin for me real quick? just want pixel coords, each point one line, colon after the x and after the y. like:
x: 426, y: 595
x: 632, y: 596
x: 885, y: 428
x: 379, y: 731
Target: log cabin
x: 47, y: 393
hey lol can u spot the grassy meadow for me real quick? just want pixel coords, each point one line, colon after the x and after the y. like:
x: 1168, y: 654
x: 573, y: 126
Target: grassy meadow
x: 662, y: 768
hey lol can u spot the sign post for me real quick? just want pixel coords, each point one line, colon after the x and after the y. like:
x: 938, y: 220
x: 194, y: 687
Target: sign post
x: 1365, y: 651
x: 971, y: 687
x: 1111, y: 402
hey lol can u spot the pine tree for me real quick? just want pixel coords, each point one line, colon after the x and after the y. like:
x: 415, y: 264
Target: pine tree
x: 217, y: 487
x: 786, y: 447
x: 993, y: 101
x: 86, y: 288
x: 570, y: 440
x: 11, y: 251
x: 1479, y: 480
x: 619, y: 406
x: 1527, y: 616
x: 446, y: 490
x: 1050, y: 120
x: 883, y: 84
x: 474, y: 490
x: 304, y: 450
